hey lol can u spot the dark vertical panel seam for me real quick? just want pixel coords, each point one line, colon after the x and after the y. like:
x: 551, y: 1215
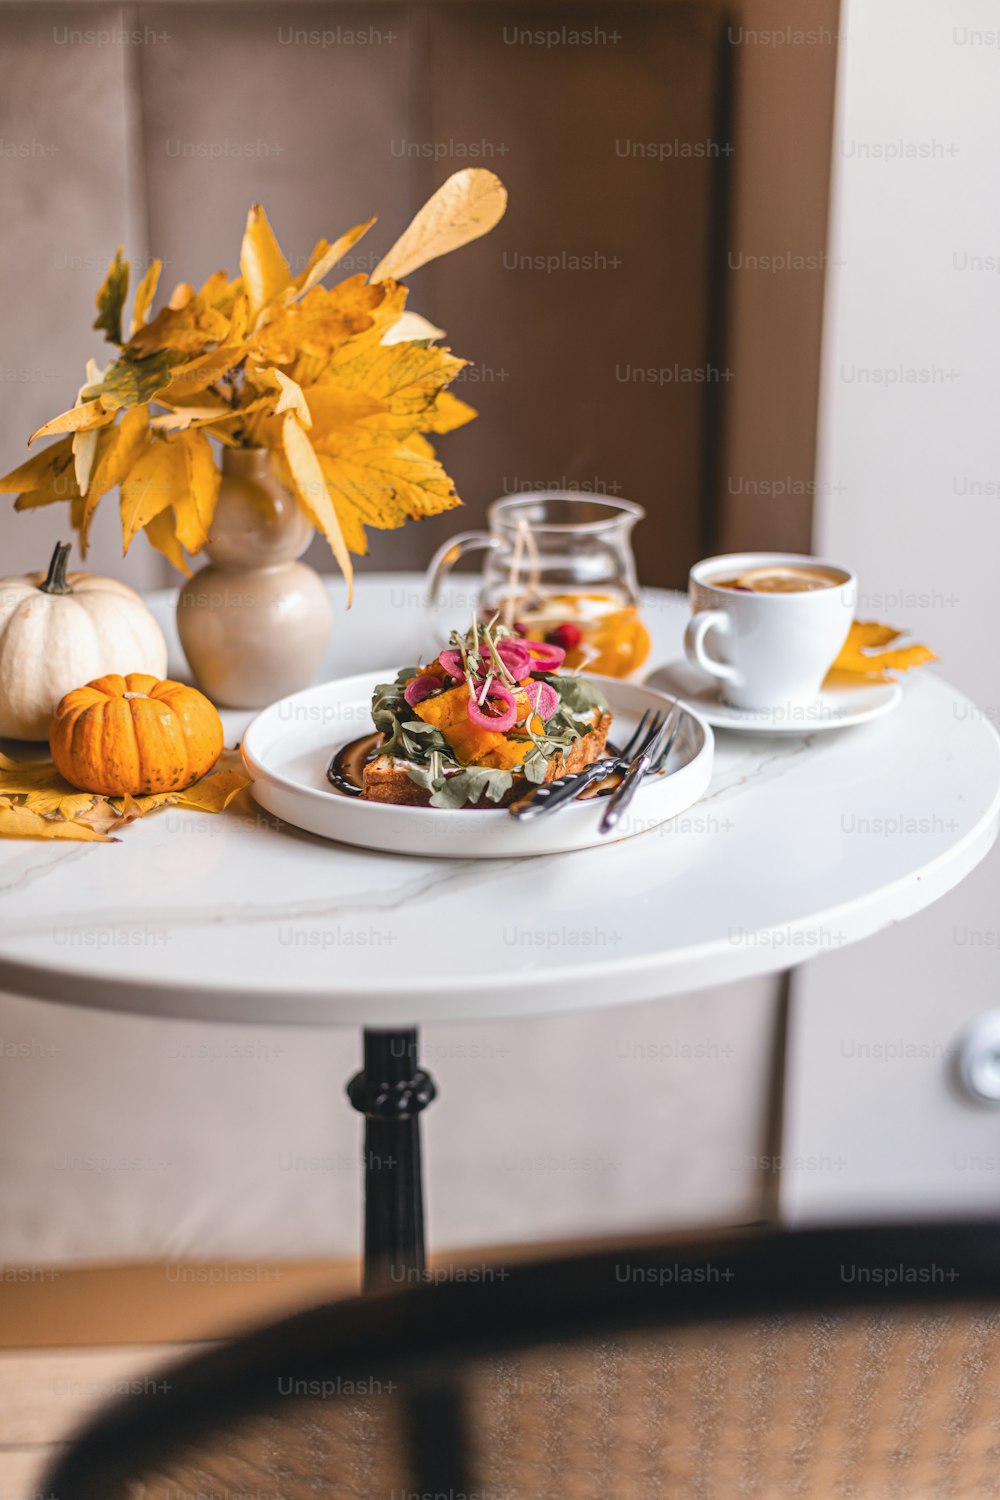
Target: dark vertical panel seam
x: 810, y: 527
x: 774, y: 1122
x: 710, y: 506
x: 137, y: 207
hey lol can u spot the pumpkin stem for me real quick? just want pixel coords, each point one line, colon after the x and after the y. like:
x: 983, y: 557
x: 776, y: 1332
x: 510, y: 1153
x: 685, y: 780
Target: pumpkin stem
x: 55, y: 579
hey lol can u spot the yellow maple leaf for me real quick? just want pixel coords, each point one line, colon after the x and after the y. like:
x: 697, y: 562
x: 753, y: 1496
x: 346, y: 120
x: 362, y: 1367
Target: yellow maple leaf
x: 194, y: 505
x: 184, y: 329
x: 291, y: 397
x: 351, y: 524
x: 161, y: 532
x: 218, y: 291
x: 333, y: 408
x: 44, y: 479
x: 868, y: 652
x: 309, y: 486
x: 385, y: 482
x: 197, y: 375
x: 21, y: 777
x: 464, y: 207
x: 450, y: 412
x: 325, y: 257
x: 144, y: 294
x: 155, y: 480
x: 80, y: 418
x: 19, y: 823
x: 119, y: 455
x: 318, y: 324
x: 130, y: 381
x: 35, y: 802
x: 216, y: 791
x: 407, y: 377
x: 183, y: 418
x: 111, y: 299
x: 264, y: 267
x: 410, y: 326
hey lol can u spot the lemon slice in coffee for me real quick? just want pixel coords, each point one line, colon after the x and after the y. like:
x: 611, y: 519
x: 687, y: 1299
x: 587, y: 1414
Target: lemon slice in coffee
x: 786, y: 578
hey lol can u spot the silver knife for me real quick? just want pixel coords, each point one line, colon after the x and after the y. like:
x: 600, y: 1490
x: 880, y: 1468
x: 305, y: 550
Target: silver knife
x: 552, y: 794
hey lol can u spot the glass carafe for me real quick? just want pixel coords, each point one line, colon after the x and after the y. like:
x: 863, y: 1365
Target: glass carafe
x: 559, y: 566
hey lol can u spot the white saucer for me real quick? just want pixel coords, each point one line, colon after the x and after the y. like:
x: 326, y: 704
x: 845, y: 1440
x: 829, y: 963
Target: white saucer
x: 288, y: 747
x: 835, y: 708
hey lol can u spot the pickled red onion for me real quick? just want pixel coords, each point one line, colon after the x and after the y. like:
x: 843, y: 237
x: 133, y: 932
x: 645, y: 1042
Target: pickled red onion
x: 420, y: 687
x: 515, y: 656
x: 544, y: 699
x: 452, y: 663
x: 499, y: 723
x: 544, y: 657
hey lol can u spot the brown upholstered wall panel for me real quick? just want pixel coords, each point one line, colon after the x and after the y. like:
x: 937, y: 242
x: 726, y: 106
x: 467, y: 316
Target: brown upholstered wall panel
x: 776, y: 268
x: 603, y: 265
x: 64, y: 189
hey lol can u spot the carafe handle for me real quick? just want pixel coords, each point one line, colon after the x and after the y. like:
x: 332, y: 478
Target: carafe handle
x: 449, y: 553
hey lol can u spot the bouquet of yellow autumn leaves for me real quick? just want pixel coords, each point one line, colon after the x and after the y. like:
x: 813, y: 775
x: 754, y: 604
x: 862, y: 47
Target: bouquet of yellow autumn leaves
x: 341, y: 384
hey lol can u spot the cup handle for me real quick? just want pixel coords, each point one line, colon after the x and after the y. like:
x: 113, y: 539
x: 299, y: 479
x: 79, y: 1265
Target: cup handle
x: 448, y: 554
x: 694, y: 643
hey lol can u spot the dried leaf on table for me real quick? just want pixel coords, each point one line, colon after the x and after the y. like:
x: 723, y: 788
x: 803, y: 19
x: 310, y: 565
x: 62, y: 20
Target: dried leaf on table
x: 19, y: 823
x: 35, y: 801
x: 18, y: 777
x: 62, y: 804
x: 869, y: 652
x: 214, y: 792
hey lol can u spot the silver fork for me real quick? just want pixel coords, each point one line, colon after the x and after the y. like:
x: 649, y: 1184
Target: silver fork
x: 653, y: 757
x: 553, y: 794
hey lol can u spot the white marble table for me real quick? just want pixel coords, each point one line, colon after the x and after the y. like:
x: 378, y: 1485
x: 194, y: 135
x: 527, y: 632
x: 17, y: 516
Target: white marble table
x: 800, y: 846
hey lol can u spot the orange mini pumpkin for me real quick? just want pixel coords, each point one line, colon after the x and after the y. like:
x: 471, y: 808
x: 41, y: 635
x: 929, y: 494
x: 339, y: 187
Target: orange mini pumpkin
x: 134, y: 734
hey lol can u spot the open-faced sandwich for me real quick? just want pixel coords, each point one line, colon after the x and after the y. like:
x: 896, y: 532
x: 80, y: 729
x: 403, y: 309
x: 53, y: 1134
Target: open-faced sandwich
x: 484, y: 721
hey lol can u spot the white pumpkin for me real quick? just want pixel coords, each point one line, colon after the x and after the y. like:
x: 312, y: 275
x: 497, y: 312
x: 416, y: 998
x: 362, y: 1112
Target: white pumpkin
x: 59, y: 631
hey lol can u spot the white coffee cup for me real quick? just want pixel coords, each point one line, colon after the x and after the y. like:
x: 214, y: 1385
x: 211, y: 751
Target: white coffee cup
x: 767, y: 650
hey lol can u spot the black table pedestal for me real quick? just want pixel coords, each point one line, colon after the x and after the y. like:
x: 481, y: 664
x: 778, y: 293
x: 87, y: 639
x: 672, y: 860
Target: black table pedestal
x: 390, y: 1092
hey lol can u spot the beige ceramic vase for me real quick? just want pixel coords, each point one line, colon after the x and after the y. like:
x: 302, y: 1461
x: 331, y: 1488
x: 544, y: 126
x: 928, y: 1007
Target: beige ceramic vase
x: 254, y: 623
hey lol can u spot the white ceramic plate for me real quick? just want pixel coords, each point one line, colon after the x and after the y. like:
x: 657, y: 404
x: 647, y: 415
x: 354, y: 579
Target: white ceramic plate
x: 288, y: 747
x: 835, y: 708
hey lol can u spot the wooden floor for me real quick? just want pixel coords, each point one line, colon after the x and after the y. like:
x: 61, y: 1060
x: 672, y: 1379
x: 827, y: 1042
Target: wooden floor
x: 45, y: 1395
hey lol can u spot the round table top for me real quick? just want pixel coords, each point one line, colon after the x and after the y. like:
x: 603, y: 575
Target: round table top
x: 801, y: 845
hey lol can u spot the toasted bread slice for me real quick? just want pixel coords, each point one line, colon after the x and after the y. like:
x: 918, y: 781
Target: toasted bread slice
x: 385, y: 780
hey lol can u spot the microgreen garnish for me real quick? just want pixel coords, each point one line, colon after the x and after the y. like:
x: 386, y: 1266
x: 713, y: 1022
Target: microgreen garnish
x: 424, y: 751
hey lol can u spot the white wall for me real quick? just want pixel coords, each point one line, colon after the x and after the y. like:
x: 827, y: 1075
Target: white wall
x: 909, y: 486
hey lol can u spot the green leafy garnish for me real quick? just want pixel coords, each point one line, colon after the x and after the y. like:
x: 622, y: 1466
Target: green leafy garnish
x: 469, y: 784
